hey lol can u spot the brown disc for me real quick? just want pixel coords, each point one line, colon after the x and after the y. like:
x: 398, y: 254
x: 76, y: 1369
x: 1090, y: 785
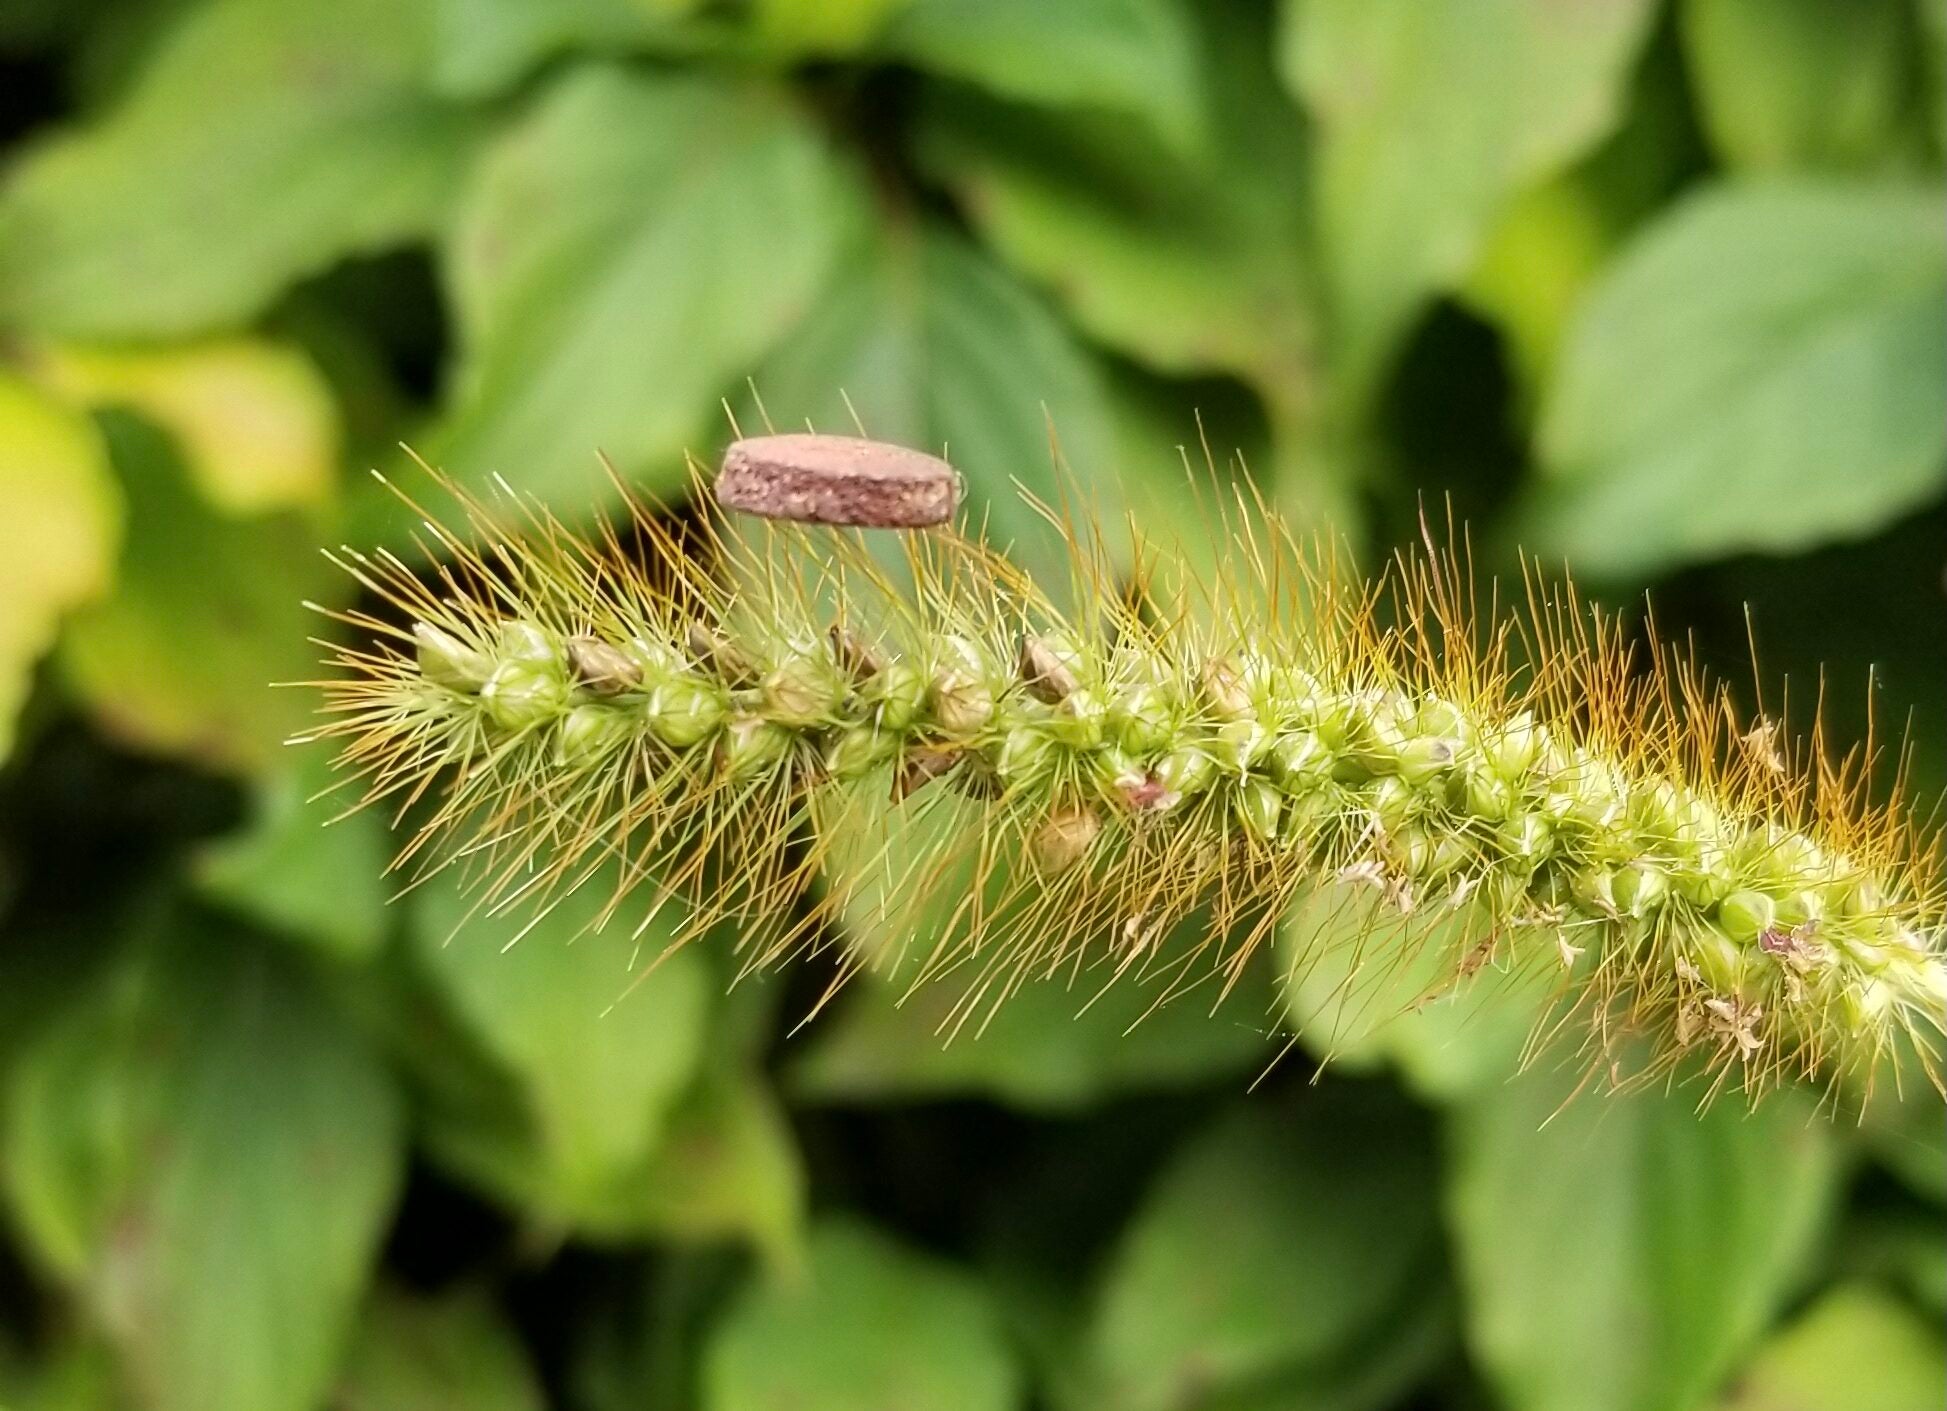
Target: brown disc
x: 837, y: 480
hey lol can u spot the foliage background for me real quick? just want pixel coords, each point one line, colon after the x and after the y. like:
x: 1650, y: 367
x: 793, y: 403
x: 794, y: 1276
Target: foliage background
x: 1653, y: 287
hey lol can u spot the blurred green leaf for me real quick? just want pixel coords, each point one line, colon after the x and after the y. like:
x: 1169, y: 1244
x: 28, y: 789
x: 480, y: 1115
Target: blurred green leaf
x: 435, y: 1354
x: 1048, y: 1048
x: 206, y: 613
x: 1908, y: 1133
x: 1130, y: 57
x: 1856, y: 1349
x: 630, y: 248
x: 1364, y: 986
x: 263, y: 141
x: 60, y: 524
x: 869, y: 1326
x: 727, y: 1166
x: 1901, y: 1246
x: 209, y: 1155
x: 1431, y: 114
x: 1624, y: 1256
x: 1553, y: 239
x: 1534, y: 267
x: 640, y: 1119
x: 483, y: 47
x: 300, y: 869
x: 1933, y: 61
x: 1190, y: 262
x: 487, y: 46
x: 253, y: 420
x: 1792, y: 84
x: 1273, y: 1239
x: 76, y: 1375
x: 600, y: 1068
x: 1752, y: 340
x: 829, y: 29
x: 938, y: 347
x: 637, y: 1349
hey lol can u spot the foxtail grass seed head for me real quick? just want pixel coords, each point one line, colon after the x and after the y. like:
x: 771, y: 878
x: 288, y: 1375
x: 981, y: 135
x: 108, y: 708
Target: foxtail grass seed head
x: 732, y: 717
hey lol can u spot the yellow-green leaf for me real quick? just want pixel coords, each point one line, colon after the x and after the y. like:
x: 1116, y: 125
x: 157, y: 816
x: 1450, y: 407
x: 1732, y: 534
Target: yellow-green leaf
x: 60, y: 524
x: 1364, y: 985
x: 254, y: 421
x: 207, y: 613
x: 1856, y: 1349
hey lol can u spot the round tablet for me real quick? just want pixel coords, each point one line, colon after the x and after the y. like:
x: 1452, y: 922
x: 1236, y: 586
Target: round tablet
x: 837, y: 480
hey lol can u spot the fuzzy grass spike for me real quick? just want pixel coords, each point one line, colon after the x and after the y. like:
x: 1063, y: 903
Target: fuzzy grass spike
x: 721, y: 712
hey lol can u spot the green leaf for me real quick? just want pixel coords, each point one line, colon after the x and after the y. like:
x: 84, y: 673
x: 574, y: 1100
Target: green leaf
x: 1364, y: 986
x: 1752, y: 340
x: 301, y: 869
x: 252, y: 420
x: 1904, y: 1247
x: 209, y: 1156
x: 60, y: 523
x: 1122, y: 56
x: 869, y: 1326
x: 487, y: 46
x: 1625, y: 1255
x: 938, y: 347
x: 484, y: 47
x: 1856, y: 1349
x: 1535, y: 266
x: 206, y: 614
x: 435, y: 1354
x: 628, y: 251
x: 1908, y: 1133
x: 1048, y: 1048
x: 1274, y: 1240
x: 727, y: 1166
x: 1431, y: 114
x: 599, y: 1067
x: 76, y: 1374
x: 1790, y: 84
x: 262, y: 142
x: 1933, y: 58
x: 1552, y: 240
x: 803, y: 29
x: 1191, y: 263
